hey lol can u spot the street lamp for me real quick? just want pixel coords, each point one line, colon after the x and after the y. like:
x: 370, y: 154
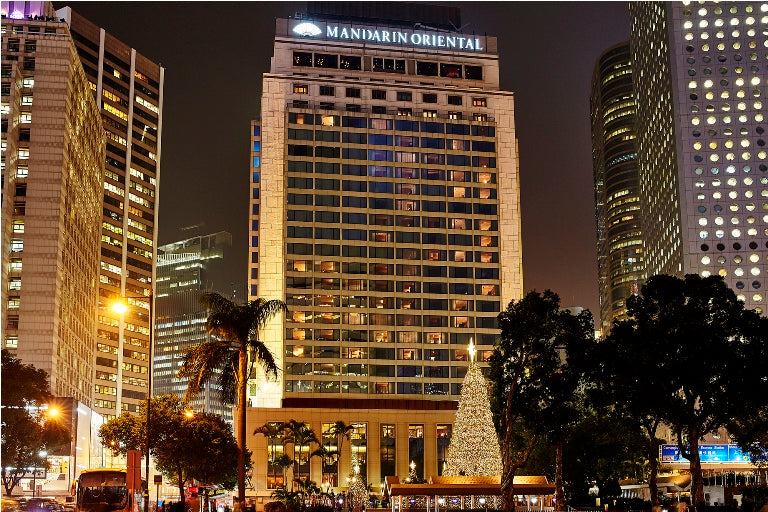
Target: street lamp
x: 120, y: 308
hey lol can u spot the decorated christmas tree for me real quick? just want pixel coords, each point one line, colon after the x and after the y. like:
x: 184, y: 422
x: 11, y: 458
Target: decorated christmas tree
x: 474, y: 448
x: 357, y: 488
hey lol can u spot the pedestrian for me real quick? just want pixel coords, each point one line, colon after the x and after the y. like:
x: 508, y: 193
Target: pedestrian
x: 236, y: 505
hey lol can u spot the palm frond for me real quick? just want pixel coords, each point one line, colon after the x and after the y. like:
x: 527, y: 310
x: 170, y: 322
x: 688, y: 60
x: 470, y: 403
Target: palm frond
x: 262, y: 354
x: 228, y: 381
x: 201, y: 362
x: 261, y: 311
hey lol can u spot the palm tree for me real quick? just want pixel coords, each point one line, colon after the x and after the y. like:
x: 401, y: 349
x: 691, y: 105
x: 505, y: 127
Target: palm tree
x: 300, y: 434
x: 284, y: 462
x: 271, y: 431
x: 235, y: 339
x: 341, y: 430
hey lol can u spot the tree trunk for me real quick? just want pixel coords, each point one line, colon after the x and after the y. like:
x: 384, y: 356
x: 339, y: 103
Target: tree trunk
x: 653, y: 472
x: 559, y: 492
x: 697, y: 480
x: 182, y: 496
x: 241, y: 389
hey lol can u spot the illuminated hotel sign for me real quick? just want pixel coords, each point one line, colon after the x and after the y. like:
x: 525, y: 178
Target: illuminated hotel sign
x: 708, y: 453
x: 448, y: 41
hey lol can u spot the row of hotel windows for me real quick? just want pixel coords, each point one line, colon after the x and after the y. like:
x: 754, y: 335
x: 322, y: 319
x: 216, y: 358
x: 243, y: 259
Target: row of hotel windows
x: 383, y: 139
x: 388, y: 354
x: 358, y: 444
x: 381, y: 94
x: 364, y: 370
x: 383, y: 203
x: 363, y: 336
x: 400, y: 111
x: 363, y: 251
x: 296, y: 232
x: 406, y: 320
x: 388, y: 269
x: 402, y: 125
x: 380, y: 64
x: 388, y: 187
x: 374, y: 388
x: 383, y: 155
x: 406, y: 221
x: 383, y: 171
x: 361, y: 285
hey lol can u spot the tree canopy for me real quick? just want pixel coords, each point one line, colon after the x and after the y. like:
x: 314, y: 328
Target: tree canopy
x: 230, y: 355
x: 692, y: 356
x: 26, y: 429
x: 534, y: 377
x: 184, y: 444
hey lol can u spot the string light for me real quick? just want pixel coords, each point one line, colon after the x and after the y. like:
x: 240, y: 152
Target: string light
x: 474, y: 448
x: 357, y: 487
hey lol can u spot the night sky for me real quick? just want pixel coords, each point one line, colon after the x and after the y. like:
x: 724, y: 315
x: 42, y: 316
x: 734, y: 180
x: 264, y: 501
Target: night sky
x: 215, y: 53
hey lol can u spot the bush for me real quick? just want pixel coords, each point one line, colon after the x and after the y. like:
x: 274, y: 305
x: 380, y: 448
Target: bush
x: 275, y: 506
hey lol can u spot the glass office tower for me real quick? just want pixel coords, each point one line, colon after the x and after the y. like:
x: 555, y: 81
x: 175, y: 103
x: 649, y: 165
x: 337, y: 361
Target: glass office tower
x: 617, y: 187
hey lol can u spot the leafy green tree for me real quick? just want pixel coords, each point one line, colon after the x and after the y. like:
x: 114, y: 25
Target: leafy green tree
x: 287, y: 496
x: 530, y: 378
x: 631, y: 374
x: 284, y: 462
x: 184, y: 446
x: 566, y: 405
x: 750, y: 431
x: 212, y: 459
x: 709, y: 348
x: 25, y: 433
x: 603, y: 447
x: 236, y: 341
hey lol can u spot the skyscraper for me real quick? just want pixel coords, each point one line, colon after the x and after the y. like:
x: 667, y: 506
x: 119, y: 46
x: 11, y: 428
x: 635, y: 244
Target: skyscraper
x: 617, y: 188
x: 385, y: 211
x: 52, y: 171
x: 128, y: 88
x: 701, y: 139
x: 388, y: 171
x: 185, y: 270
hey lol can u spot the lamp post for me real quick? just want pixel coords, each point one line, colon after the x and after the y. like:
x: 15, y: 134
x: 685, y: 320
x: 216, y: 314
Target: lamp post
x: 121, y: 308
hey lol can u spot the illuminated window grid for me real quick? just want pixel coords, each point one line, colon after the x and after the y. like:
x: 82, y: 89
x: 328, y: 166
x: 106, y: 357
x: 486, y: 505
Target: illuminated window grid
x: 130, y: 200
x: 319, y: 308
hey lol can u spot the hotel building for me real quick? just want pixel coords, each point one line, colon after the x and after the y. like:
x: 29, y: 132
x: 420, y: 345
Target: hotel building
x: 701, y: 140
x: 617, y: 187
x: 52, y: 171
x: 185, y: 270
x: 128, y: 89
x: 385, y: 212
